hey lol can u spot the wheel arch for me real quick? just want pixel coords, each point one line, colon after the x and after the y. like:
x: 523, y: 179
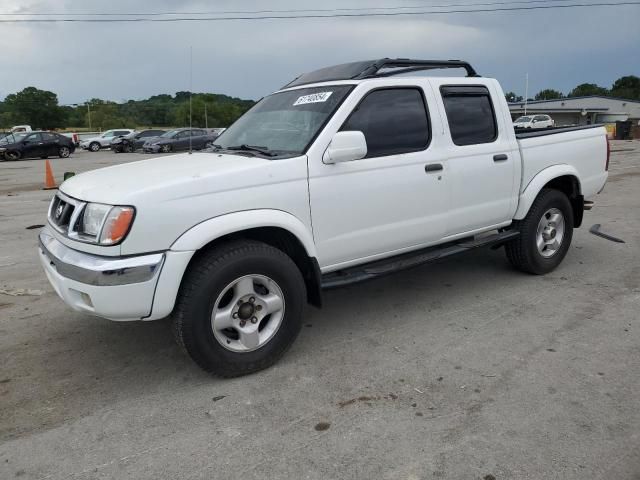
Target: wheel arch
x: 563, y: 178
x: 273, y: 227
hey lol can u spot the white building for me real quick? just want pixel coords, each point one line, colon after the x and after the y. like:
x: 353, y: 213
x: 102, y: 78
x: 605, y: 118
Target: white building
x: 582, y: 110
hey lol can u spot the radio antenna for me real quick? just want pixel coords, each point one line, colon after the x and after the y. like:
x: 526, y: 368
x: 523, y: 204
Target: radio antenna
x: 190, y: 95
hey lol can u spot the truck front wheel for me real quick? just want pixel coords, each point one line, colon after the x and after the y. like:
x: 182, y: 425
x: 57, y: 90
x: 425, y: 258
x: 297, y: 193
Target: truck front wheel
x: 239, y: 308
x: 545, y: 234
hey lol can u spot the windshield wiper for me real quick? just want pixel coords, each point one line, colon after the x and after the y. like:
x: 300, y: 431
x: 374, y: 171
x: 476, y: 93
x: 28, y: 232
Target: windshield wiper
x: 253, y: 148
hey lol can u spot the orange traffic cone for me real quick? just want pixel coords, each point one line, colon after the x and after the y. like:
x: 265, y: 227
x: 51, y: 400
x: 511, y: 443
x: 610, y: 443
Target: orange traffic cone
x: 49, y: 181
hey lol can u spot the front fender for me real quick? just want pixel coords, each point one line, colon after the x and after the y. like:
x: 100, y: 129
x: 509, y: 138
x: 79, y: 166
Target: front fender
x: 209, y: 230
x: 532, y: 190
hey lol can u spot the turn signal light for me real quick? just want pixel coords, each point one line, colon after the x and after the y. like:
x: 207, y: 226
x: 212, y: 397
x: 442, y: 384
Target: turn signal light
x: 117, y: 225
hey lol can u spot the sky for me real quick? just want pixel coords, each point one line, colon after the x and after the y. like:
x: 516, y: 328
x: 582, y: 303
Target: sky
x: 248, y: 59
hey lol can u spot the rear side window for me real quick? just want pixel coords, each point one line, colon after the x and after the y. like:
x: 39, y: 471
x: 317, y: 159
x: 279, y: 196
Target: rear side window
x: 49, y: 137
x: 392, y: 120
x: 470, y: 114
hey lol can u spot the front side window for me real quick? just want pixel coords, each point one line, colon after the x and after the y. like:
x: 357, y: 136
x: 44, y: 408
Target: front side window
x: 470, y: 114
x: 284, y: 124
x: 393, y: 121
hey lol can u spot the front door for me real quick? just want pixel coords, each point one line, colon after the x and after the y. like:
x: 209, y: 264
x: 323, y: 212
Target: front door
x: 393, y: 199
x: 32, y: 146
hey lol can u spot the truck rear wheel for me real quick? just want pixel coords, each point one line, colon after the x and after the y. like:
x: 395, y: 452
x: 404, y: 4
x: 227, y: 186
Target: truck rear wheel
x: 239, y: 308
x: 545, y: 234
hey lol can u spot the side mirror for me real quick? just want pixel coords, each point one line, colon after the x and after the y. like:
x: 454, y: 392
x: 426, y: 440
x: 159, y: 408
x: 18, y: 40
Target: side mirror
x: 346, y: 147
x: 534, y: 121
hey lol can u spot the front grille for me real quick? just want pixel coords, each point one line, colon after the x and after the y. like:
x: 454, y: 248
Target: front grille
x: 61, y: 213
x: 64, y: 212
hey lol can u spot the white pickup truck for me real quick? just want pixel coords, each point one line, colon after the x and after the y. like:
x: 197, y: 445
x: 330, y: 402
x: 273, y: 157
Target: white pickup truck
x: 345, y: 174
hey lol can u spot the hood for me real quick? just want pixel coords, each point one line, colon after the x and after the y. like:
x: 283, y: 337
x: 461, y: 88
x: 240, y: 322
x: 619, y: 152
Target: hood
x: 164, y: 178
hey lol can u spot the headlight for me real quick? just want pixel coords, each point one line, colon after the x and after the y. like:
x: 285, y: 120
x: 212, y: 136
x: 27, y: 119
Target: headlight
x: 106, y: 224
x: 93, y: 218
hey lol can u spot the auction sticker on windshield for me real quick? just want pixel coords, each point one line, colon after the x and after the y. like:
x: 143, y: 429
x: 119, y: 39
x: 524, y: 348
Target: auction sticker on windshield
x: 313, y: 98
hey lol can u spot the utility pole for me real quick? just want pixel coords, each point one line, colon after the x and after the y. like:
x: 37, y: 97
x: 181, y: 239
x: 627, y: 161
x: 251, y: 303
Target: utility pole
x: 190, y: 95
x: 526, y: 91
x: 206, y: 120
x: 89, y: 114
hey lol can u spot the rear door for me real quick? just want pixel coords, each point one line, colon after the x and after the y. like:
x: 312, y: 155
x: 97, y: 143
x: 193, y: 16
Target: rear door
x: 395, y: 198
x: 50, y: 143
x: 198, y: 138
x: 481, y: 160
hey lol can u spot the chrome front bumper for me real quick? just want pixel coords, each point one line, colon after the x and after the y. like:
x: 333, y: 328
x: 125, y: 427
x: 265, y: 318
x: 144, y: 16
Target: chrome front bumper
x: 117, y: 288
x: 96, y: 270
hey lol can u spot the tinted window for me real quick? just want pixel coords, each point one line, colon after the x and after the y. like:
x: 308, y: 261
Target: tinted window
x: 470, y: 114
x: 151, y: 133
x: 393, y: 121
x: 49, y: 137
x: 198, y: 132
x: 539, y: 118
x: 34, y: 137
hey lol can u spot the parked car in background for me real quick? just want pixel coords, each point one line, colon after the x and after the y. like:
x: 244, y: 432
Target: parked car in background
x: 21, y: 128
x: 134, y: 141
x: 94, y: 144
x: 534, y: 121
x: 35, y: 144
x: 73, y: 136
x: 180, y: 139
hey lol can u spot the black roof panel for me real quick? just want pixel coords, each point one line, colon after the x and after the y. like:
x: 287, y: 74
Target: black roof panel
x: 373, y: 68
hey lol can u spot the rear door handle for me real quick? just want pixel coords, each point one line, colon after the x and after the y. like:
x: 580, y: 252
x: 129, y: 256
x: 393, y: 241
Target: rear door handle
x: 433, y: 167
x: 500, y: 158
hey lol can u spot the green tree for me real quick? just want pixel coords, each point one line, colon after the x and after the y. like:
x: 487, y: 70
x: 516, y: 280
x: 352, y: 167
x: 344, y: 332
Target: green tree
x: 627, y: 87
x: 512, y: 97
x: 38, y: 108
x: 548, y: 94
x: 587, y: 89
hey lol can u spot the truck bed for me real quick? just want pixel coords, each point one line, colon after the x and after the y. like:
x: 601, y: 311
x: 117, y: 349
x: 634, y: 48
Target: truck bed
x: 541, y: 132
x: 583, y: 150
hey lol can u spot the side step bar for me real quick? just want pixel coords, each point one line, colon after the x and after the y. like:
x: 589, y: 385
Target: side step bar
x: 386, y: 266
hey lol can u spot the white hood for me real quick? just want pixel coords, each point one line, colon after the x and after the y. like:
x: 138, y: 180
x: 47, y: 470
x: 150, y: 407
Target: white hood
x: 162, y: 177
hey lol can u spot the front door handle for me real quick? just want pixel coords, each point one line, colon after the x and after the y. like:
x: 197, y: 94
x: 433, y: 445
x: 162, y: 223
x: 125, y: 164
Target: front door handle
x: 433, y: 167
x: 500, y: 158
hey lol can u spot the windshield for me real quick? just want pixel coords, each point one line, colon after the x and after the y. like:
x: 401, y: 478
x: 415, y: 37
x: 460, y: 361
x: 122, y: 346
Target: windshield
x: 170, y: 134
x: 14, y: 137
x: 284, y: 124
x: 523, y: 120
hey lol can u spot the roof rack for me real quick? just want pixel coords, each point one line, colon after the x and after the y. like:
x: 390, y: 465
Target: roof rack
x: 374, y: 68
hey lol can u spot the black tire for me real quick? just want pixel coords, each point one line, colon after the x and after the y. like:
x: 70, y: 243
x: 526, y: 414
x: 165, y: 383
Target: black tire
x: 129, y: 149
x: 522, y: 252
x: 207, y: 278
x: 64, y: 152
x: 44, y: 157
x: 12, y: 155
x: 94, y: 146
